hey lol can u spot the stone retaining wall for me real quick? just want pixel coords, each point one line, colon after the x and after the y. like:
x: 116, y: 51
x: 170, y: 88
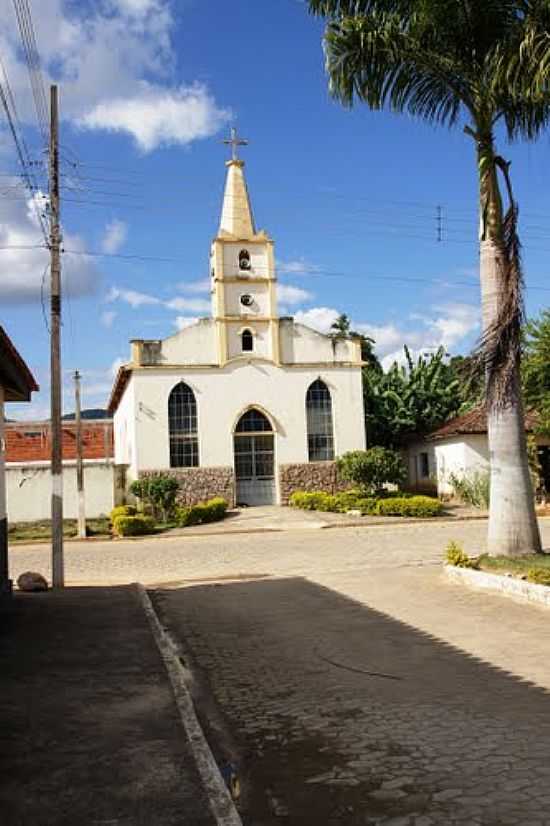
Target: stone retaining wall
x: 310, y: 477
x: 197, y: 484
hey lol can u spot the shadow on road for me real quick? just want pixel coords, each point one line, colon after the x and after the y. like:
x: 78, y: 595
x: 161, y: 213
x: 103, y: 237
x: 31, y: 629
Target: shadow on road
x: 337, y: 713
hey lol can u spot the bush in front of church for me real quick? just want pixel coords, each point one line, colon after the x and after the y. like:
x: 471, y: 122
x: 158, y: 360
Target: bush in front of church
x: 354, y: 500
x: 137, y: 525
x: 203, y: 512
x: 371, y: 470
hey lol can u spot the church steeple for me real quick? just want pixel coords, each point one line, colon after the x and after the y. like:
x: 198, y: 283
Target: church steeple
x: 237, y: 219
x: 242, y: 266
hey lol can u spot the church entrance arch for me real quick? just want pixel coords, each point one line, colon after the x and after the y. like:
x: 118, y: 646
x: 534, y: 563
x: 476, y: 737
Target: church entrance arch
x: 254, y: 448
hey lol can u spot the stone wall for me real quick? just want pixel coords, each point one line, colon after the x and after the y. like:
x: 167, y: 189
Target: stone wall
x: 197, y: 484
x: 310, y: 477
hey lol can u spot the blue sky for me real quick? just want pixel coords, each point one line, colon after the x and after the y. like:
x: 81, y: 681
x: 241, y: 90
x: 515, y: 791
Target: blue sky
x: 148, y: 88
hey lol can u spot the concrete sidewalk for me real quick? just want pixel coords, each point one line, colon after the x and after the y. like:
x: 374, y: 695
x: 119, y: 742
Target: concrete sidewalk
x: 90, y: 731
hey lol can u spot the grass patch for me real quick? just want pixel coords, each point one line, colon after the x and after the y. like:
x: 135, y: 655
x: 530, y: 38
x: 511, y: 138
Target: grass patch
x: 513, y: 565
x: 42, y: 529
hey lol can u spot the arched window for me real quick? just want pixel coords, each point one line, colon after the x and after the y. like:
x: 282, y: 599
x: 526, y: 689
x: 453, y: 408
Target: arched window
x: 253, y: 421
x: 320, y: 439
x: 247, y: 341
x: 182, y: 423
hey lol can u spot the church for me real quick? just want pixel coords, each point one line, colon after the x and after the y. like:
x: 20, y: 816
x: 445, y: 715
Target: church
x: 244, y: 404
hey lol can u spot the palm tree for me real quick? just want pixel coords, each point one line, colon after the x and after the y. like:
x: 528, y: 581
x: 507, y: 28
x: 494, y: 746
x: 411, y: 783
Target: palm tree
x: 482, y: 64
x: 341, y: 329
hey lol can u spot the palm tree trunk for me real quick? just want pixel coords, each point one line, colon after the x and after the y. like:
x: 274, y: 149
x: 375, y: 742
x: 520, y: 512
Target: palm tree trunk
x: 513, y: 527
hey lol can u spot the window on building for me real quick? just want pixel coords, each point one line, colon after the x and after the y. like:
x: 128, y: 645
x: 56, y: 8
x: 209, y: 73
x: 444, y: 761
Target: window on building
x: 182, y: 421
x: 247, y: 340
x: 320, y: 438
x: 253, y: 421
x: 424, y: 465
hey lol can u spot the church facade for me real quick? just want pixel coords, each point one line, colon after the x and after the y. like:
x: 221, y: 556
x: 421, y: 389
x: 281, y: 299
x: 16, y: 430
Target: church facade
x: 244, y: 404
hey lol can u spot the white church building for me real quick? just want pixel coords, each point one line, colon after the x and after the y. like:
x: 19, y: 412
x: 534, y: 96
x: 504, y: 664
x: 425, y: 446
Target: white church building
x: 244, y: 404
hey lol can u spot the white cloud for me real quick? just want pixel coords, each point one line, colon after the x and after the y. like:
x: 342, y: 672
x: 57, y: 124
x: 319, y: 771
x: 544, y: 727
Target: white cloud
x: 289, y: 295
x: 298, y: 266
x: 25, y: 273
x: 182, y: 322
x: 157, y: 117
x: 320, y: 318
x: 107, y: 318
x: 194, y: 305
x: 115, y: 235
x: 116, y: 65
x: 132, y: 297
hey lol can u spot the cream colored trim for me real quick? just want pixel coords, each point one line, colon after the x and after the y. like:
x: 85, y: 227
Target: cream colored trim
x: 275, y: 341
x: 244, y: 279
x: 240, y: 319
x: 321, y: 365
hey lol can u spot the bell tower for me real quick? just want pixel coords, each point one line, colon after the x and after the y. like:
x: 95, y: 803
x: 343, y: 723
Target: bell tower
x: 242, y: 271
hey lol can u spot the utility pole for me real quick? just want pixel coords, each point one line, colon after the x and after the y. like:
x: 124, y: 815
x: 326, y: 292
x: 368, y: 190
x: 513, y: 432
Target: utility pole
x: 58, y: 578
x: 79, y: 461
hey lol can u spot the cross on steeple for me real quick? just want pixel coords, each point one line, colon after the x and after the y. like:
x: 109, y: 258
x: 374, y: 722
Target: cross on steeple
x: 234, y: 141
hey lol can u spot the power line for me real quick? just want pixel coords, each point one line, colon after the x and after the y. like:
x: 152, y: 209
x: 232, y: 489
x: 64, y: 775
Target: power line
x: 32, y: 59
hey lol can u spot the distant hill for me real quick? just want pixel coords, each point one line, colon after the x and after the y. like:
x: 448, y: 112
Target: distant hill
x: 90, y: 413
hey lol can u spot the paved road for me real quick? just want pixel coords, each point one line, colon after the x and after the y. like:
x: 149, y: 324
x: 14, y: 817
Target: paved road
x: 289, y: 553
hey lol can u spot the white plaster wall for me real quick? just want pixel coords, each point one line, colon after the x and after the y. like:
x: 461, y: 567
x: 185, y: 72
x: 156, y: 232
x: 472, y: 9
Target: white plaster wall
x: 302, y: 345
x: 224, y: 394
x: 459, y: 455
x: 413, y: 464
x: 262, y: 339
x: 260, y: 293
x: 29, y: 490
x: 192, y: 345
x: 124, y: 427
x: 258, y: 259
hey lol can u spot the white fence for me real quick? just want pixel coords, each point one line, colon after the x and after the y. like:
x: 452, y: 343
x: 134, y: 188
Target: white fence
x: 28, y: 489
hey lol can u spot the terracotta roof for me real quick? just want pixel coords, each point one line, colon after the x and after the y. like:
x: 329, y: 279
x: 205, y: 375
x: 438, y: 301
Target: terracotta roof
x: 121, y: 380
x: 15, y: 376
x: 31, y: 441
x: 474, y: 422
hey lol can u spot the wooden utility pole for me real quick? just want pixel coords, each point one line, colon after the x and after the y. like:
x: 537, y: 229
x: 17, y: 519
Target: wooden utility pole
x: 58, y: 578
x: 79, y: 460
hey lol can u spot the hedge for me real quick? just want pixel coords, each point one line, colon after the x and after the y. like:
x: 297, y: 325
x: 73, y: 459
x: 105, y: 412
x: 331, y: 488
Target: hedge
x: 540, y: 576
x: 203, y: 512
x: 402, y: 505
x: 417, y: 506
x: 133, y: 525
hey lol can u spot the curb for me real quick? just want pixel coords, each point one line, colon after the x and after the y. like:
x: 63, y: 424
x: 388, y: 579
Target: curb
x: 508, y: 586
x: 221, y: 805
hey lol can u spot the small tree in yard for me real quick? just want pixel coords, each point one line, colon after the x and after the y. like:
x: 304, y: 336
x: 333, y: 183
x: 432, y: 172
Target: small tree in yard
x: 372, y: 469
x: 158, y: 493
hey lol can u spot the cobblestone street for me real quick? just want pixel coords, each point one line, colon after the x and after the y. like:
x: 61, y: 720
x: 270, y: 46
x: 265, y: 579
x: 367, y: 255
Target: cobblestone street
x: 345, y: 678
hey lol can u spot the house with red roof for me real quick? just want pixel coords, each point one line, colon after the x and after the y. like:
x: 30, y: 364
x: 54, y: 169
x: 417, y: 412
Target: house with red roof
x: 460, y: 448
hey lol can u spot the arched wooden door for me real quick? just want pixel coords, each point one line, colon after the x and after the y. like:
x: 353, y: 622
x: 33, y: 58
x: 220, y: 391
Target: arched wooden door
x: 254, y: 447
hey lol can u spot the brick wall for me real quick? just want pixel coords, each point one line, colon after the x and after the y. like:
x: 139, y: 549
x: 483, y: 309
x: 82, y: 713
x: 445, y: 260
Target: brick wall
x: 31, y: 441
x: 309, y: 477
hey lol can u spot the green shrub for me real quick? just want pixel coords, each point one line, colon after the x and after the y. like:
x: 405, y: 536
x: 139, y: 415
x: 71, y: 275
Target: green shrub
x: 368, y: 506
x: 457, y: 556
x: 472, y: 489
x: 122, y: 510
x: 158, y: 494
x: 203, y: 512
x: 347, y: 500
x: 540, y: 576
x: 372, y: 469
x: 316, y: 501
x: 416, y: 506
x: 133, y: 525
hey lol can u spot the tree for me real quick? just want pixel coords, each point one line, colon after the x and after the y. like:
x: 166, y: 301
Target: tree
x: 341, y: 329
x: 482, y: 64
x: 413, y: 398
x: 536, y: 368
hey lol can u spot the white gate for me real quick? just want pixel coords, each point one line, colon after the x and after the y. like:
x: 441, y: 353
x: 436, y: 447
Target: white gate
x: 254, y: 460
